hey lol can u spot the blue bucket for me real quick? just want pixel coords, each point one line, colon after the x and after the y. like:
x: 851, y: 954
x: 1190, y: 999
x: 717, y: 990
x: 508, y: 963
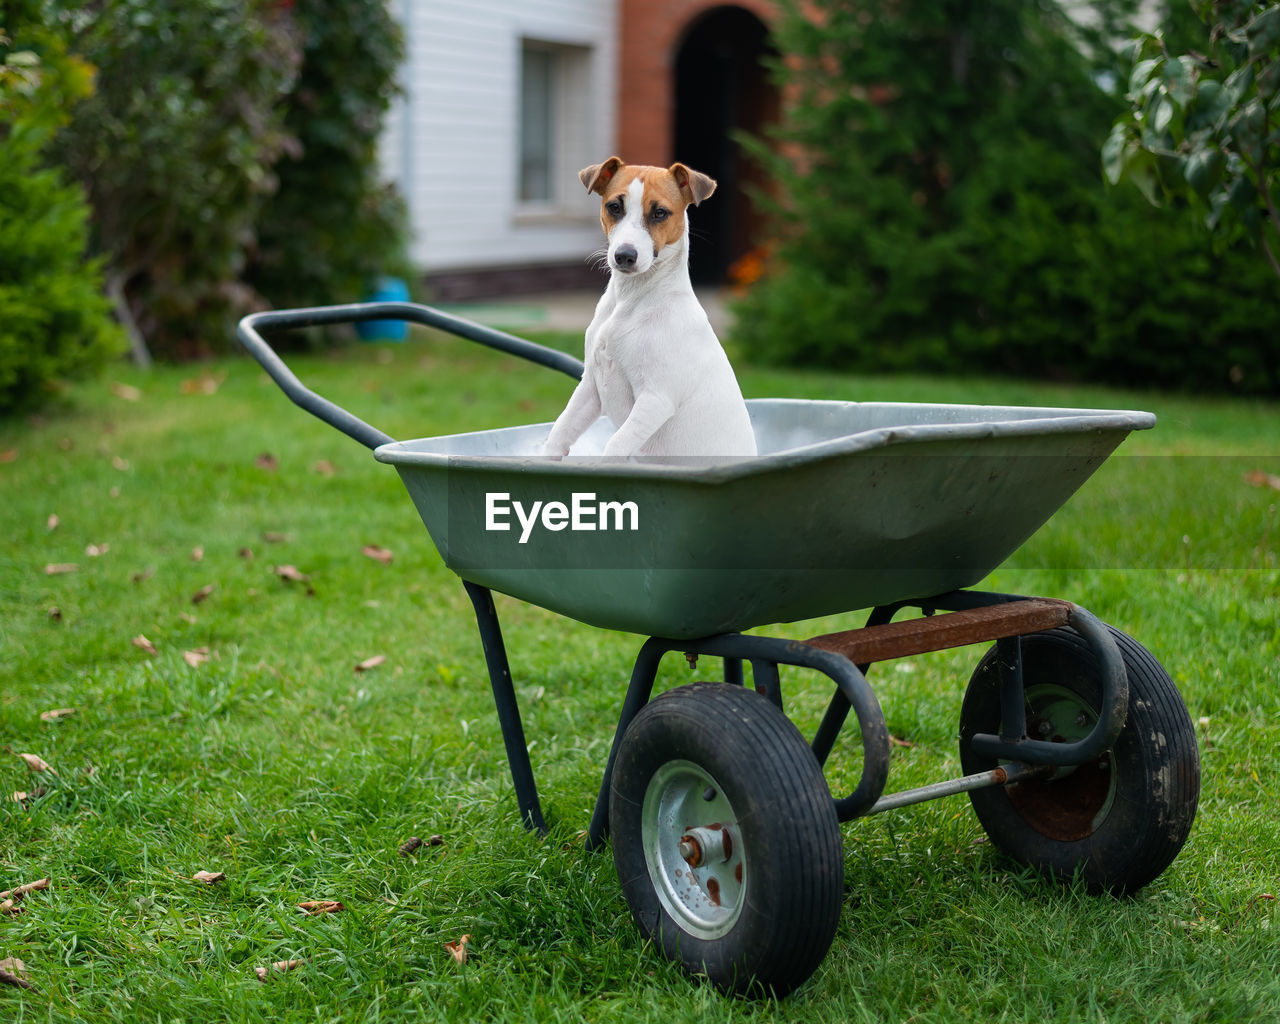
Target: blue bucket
x: 385, y: 289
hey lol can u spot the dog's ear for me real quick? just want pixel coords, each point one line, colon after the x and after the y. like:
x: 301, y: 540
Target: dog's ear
x: 597, y: 176
x: 693, y: 185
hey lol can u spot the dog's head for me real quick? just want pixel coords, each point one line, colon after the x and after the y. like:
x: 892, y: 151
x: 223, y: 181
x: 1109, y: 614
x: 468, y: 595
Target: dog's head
x: 642, y: 209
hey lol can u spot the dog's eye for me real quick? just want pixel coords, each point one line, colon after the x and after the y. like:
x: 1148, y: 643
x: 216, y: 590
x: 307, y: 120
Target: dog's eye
x: 660, y: 213
x: 614, y: 206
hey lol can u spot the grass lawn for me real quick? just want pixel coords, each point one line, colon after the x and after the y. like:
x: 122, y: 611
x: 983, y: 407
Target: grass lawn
x: 240, y: 738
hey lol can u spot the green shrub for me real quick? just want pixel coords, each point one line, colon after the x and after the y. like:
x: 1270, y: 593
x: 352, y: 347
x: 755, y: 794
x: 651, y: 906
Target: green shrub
x: 331, y: 227
x: 175, y: 151
x: 54, y: 320
x: 940, y: 208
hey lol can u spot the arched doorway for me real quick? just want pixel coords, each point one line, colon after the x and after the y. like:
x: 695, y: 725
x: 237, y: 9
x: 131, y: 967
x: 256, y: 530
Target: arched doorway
x: 722, y: 87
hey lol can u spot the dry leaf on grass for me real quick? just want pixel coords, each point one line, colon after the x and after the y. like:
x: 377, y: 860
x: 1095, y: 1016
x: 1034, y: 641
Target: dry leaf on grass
x: 56, y: 713
x: 22, y: 890
x: 275, y: 537
x: 119, y: 463
x: 459, y: 949
x: 143, y: 644
x: 369, y: 663
x: 1260, y: 479
x: 209, y: 877
x: 197, y: 554
x: 313, y: 907
x: 206, y: 384
x: 279, y: 967
x: 37, y: 764
x: 9, y: 455
x: 21, y: 796
x: 378, y: 554
x: 143, y: 576
x: 291, y: 573
x: 197, y: 657
x: 14, y: 972
x: 324, y: 467
x: 267, y: 461
x: 55, y: 613
x: 200, y: 595
x: 52, y: 522
x: 7, y: 908
x: 97, y: 550
x: 126, y: 391
x: 60, y: 568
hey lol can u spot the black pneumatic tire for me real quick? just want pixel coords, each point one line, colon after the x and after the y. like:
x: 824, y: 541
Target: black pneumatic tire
x: 753, y: 898
x: 1115, y: 823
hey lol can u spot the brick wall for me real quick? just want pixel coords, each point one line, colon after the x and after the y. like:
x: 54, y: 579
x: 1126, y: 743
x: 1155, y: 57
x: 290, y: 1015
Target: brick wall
x: 650, y: 34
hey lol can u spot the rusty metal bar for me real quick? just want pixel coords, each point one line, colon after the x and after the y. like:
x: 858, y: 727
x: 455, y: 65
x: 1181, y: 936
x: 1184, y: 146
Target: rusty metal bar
x: 1003, y: 776
x: 940, y: 632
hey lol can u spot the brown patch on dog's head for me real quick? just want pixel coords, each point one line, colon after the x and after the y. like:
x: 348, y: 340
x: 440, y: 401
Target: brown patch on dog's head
x: 667, y: 193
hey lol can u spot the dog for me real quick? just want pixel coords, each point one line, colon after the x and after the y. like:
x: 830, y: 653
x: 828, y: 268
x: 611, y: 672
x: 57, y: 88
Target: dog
x: 653, y: 364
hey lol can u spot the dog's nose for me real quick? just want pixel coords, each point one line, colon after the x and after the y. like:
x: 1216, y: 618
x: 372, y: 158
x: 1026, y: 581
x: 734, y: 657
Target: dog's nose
x: 625, y: 257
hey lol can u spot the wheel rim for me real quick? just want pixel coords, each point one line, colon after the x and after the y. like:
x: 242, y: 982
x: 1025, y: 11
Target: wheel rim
x: 693, y: 849
x: 1074, y: 801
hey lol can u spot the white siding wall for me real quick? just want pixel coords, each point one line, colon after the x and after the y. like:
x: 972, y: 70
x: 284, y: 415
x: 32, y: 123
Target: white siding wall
x: 451, y: 143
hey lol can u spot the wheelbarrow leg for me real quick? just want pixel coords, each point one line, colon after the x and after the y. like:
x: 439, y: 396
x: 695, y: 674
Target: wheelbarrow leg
x: 504, y: 698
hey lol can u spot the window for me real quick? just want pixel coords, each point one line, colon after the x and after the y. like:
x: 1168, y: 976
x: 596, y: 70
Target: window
x: 554, y: 120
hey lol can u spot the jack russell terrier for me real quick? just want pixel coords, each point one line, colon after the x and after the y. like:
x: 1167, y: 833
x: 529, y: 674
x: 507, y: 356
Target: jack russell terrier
x: 653, y: 364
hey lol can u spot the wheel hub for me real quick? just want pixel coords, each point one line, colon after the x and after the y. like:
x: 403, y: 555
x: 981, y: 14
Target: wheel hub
x: 693, y: 849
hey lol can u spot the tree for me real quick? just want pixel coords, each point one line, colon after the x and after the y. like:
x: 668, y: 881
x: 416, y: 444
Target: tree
x: 1204, y: 127
x: 175, y: 151
x: 331, y: 226
x: 54, y: 320
x: 937, y: 207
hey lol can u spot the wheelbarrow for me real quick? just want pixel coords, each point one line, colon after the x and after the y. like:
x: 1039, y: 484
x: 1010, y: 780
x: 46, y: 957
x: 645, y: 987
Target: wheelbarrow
x: 1077, y: 752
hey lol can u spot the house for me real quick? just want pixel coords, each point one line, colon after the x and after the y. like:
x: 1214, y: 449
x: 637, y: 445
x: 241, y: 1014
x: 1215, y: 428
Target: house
x: 504, y: 101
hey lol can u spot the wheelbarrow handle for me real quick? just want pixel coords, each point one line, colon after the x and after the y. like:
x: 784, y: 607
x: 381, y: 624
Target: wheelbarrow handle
x: 253, y: 328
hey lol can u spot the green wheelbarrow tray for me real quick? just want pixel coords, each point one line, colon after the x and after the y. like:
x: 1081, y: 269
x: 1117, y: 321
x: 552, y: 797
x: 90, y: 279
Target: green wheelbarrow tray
x: 1078, y: 754
x: 847, y: 505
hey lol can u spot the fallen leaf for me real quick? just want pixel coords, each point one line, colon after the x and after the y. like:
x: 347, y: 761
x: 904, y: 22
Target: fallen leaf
x: 144, y: 575
x: 209, y: 877
x: 126, y: 391
x: 119, y: 463
x: 22, y: 797
x: 275, y: 537
x: 60, y: 568
x: 142, y: 643
x: 378, y: 554
x: 9, y: 455
x: 197, y: 657
x: 37, y: 764
x: 1260, y: 479
x: 97, y: 550
x: 55, y: 613
x: 369, y: 663
x: 22, y: 890
x: 55, y: 714
x: 7, y: 907
x: 893, y: 740
x: 313, y: 907
x: 201, y: 594
x: 197, y: 554
x: 206, y: 384
x: 408, y: 847
x: 291, y: 573
x: 14, y: 972
x: 267, y: 461
x: 51, y: 523
x: 459, y: 948
x: 324, y: 467
x: 246, y: 554
x: 279, y: 967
